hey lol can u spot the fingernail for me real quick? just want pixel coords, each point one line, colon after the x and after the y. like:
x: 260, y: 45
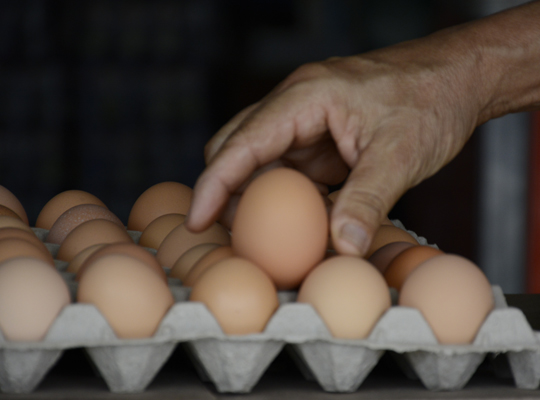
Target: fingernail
x: 355, y: 237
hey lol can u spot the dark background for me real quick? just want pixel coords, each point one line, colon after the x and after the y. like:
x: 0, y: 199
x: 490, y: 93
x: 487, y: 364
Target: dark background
x: 112, y: 97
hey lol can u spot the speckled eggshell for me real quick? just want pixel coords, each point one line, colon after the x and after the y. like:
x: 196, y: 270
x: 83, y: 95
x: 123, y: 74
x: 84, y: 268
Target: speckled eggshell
x: 453, y: 295
x: 61, y: 203
x: 75, y: 216
x: 32, y: 294
x: 89, y: 233
x: 239, y: 294
x: 348, y: 293
x: 159, y: 199
x: 281, y: 225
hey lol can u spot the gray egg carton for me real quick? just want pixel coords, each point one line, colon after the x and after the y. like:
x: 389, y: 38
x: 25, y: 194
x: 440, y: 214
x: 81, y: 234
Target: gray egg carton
x: 236, y: 363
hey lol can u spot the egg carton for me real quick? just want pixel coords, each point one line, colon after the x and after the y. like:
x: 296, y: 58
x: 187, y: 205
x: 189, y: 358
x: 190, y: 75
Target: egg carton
x: 235, y: 363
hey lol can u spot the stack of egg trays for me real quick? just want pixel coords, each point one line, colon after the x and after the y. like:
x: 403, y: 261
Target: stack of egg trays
x: 236, y: 363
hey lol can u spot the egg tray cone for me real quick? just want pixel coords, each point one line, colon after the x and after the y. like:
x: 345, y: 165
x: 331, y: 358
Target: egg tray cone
x: 236, y: 363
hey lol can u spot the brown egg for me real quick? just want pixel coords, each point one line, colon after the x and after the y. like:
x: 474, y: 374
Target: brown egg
x: 31, y: 296
x: 453, y: 295
x: 128, y: 249
x: 77, y: 261
x: 281, y: 225
x: 187, y: 260
x: 75, y: 216
x: 89, y: 233
x: 6, y: 233
x: 131, y: 296
x: 16, y: 247
x: 406, y: 262
x: 239, y: 294
x: 159, y: 228
x: 206, y: 262
x: 348, y: 293
x: 61, y: 203
x: 160, y: 199
x: 385, y: 254
x: 181, y: 240
x: 9, y: 200
x: 11, y: 222
x: 9, y: 212
x: 388, y: 234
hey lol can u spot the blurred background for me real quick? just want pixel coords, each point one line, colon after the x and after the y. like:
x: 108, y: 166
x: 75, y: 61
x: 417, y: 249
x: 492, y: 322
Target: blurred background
x: 112, y: 97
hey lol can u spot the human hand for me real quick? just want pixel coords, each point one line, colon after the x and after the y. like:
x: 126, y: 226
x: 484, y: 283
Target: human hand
x: 388, y: 119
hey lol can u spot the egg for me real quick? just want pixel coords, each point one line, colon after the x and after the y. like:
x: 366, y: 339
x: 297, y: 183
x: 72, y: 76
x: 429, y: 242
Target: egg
x: 9, y: 212
x: 187, y: 260
x: 10, y: 201
x: 76, y: 262
x: 385, y: 254
x: 453, y: 295
x: 32, y: 294
x: 75, y: 216
x: 180, y: 240
x: 7, y: 221
x: 29, y: 236
x: 160, y: 199
x: 349, y: 294
x: 388, y: 234
x: 407, y: 261
x: 239, y: 294
x: 130, y: 295
x: 281, y: 225
x: 159, y: 228
x: 17, y: 247
x: 89, y: 233
x: 61, y: 203
x: 130, y: 249
x: 206, y: 262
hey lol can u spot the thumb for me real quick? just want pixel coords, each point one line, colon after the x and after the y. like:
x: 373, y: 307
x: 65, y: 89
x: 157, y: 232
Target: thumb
x: 369, y: 193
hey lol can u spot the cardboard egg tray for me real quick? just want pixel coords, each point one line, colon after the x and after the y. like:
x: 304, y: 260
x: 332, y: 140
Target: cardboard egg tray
x: 235, y: 363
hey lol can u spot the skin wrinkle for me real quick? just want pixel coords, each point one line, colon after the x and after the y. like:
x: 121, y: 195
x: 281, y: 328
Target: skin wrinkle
x: 397, y: 115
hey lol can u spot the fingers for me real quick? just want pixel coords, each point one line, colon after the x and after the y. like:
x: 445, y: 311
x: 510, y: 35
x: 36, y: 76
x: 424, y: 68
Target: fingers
x: 263, y: 136
x: 371, y: 190
x: 216, y: 142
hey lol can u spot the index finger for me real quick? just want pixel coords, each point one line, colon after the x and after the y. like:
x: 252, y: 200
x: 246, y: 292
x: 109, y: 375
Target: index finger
x: 263, y: 137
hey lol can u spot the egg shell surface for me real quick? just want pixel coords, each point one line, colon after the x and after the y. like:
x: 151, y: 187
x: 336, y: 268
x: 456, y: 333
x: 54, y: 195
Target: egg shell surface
x: 159, y: 199
x: 75, y: 216
x: 186, y: 261
x: 61, y: 203
x: 281, y: 225
x: 89, y: 233
x: 206, y: 262
x: 239, y: 294
x: 453, y: 295
x: 349, y: 294
x: 158, y: 229
x: 407, y: 261
x: 32, y: 294
x: 132, y: 297
x: 9, y: 200
x: 181, y: 240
